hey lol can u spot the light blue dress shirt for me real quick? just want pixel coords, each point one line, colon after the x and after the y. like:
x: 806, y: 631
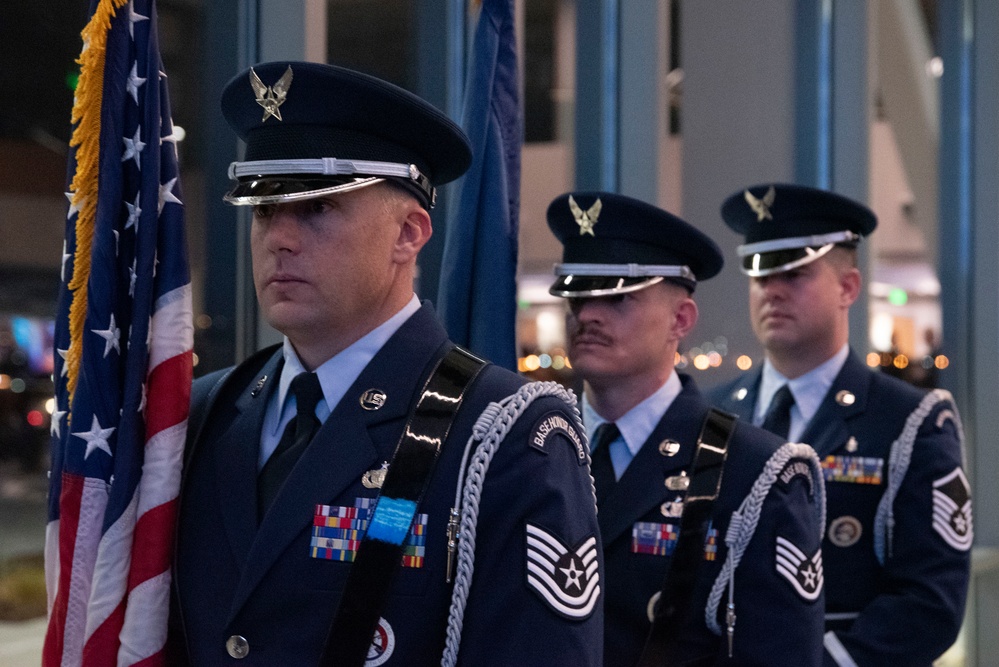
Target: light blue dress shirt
x: 636, y: 425
x: 336, y: 375
x: 808, y: 391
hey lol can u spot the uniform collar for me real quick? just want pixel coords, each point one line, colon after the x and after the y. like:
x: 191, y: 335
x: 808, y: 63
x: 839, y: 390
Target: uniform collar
x: 637, y: 424
x: 338, y: 373
x: 808, y: 390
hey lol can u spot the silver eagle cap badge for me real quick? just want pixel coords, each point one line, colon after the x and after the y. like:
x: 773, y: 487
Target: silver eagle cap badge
x: 585, y: 219
x: 761, y: 206
x: 271, y: 97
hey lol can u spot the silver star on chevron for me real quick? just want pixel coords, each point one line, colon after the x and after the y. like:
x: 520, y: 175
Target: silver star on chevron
x: 810, y: 576
x: 572, y: 575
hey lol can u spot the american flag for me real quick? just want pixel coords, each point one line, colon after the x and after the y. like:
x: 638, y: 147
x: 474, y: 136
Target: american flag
x: 123, y: 343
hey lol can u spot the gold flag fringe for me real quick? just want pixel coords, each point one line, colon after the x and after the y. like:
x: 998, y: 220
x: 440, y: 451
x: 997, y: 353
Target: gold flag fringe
x: 86, y: 138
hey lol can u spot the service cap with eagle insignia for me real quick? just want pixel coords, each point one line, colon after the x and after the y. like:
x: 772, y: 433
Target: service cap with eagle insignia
x: 787, y: 226
x: 614, y: 244
x: 326, y: 129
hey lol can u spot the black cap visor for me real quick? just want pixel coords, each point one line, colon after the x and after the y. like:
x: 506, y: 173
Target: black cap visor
x: 273, y: 189
x: 589, y: 286
x: 760, y: 264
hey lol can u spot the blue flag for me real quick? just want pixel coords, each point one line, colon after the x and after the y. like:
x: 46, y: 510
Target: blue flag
x: 123, y: 341
x: 477, y: 296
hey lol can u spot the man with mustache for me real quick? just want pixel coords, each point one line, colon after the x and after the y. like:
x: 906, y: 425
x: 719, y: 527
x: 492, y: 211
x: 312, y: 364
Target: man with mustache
x: 711, y: 527
x: 365, y: 492
x: 897, y: 549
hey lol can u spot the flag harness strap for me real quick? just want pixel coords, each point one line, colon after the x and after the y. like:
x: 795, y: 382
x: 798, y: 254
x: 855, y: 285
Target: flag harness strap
x: 380, y: 552
x: 673, y: 609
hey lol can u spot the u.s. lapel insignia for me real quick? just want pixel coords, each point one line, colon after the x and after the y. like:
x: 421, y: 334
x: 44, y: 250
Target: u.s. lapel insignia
x: 669, y: 447
x: 373, y: 399
x: 260, y: 386
x: 567, y: 580
x: 740, y: 393
x: 271, y: 97
x: 803, y: 572
x: 761, y: 207
x: 845, y: 398
x: 952, y: 510
x: 851, y: 444
x: 373, y: 479
x: 585, y: 219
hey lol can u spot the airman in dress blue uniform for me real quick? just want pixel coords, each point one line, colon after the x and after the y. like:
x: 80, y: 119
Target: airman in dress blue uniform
x: 897, y: 547
x: 754, y: 576
x: 365, y: 468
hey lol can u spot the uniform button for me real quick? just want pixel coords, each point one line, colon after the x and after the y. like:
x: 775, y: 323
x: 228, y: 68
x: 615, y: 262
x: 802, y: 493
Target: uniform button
x: 669, y: 447
x: 237, y: 647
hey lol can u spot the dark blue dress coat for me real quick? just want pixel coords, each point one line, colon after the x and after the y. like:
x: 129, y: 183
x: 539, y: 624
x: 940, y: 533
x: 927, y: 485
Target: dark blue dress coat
x: 896, y: 581
x: 775, y: 624
x: 260, y: 582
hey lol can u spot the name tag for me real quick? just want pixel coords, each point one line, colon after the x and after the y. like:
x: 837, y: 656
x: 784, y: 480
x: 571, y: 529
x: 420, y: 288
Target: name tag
x: 337, y: 532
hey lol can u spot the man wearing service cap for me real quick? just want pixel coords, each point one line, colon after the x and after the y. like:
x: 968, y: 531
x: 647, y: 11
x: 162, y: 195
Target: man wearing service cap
x: 366, y: 492
x: 710, y: 526
x: 897, y: 547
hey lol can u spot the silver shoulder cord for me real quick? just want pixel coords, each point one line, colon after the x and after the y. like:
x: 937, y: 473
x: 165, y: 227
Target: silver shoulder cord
x: 898, y: 464
x: 489, y: 431
x: 743, y: 524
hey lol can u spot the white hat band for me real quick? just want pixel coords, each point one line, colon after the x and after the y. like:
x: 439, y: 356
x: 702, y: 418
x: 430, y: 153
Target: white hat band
x: 796, y: 242
x: 625, y: 270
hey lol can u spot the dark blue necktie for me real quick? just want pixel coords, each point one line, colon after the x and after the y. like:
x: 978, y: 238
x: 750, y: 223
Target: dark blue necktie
x: 295, y: 439
x: 778, y: 419
x: 601, y: 467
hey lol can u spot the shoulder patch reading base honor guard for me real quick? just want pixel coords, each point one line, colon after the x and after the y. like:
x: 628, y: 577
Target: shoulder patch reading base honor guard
x: 952, y: 510
x: 567, y: 580
x: 794, y: 469
x: 803, y: 572
x: 549, y: 425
